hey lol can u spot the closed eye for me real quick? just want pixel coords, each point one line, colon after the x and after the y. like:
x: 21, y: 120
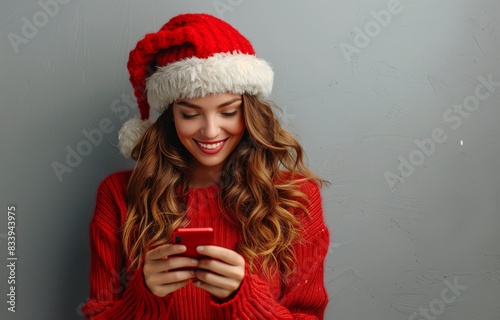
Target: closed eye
x: 188, y: 116
x: 229, y: 114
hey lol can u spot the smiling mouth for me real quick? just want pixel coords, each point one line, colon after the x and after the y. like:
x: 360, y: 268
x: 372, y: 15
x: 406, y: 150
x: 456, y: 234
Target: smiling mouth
x: 211, y: 146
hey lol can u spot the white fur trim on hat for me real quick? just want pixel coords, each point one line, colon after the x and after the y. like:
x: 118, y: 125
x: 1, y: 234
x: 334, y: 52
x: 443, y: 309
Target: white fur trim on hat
x: 221, y: 73
x: 130, y: 134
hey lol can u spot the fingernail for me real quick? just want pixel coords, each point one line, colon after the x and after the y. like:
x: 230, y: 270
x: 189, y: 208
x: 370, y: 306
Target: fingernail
x: 200, y: 248
x: 193, y: 273
x: 194, y: 261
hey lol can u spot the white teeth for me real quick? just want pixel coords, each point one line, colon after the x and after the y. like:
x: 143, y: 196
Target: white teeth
x: 210, y: 146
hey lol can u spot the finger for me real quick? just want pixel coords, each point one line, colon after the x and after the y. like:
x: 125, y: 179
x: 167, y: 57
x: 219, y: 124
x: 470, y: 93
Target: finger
x: 174, y: 263
x: 163, y: 290
x: 163, y: 283
x: 164, y: 251
x: 216, y: 291
x: 226, y: 255
x: 218, y: 281
x: 166, y: 278
x: 171, y: 263
x: 222, y: 268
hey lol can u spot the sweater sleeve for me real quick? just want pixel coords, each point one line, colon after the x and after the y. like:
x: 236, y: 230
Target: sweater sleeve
x: 115, y: 294
x: 304, y: 295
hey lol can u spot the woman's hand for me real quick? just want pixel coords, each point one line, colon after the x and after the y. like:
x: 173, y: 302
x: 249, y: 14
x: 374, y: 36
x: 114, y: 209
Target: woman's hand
x: 158, y: 264
x: 221, y: 273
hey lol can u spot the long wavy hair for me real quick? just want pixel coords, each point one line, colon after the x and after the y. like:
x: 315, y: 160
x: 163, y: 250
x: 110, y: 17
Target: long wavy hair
x: 259, y: 189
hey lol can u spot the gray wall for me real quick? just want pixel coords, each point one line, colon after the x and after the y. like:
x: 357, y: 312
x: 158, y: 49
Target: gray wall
x: 394, y: 113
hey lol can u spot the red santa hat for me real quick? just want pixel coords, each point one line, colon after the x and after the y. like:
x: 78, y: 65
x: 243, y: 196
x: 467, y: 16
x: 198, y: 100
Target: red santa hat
x: 191, y: 56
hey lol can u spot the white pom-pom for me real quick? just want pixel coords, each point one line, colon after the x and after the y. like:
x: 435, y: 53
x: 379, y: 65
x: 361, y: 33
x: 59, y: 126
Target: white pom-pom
x: 130, y: 134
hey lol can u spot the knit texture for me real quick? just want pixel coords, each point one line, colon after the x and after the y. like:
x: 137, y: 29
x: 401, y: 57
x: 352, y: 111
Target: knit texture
x: 182, y: 37
x: 191, y: 56
x: 117, y: 295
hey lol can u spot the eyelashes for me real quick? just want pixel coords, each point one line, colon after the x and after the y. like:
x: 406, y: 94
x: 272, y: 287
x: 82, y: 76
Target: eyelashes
x: 230, y: 114
x: 224, y: 114
x: 188, y: 116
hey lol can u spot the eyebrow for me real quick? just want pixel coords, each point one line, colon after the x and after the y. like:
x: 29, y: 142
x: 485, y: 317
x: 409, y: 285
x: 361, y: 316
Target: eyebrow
x: 194, y: 106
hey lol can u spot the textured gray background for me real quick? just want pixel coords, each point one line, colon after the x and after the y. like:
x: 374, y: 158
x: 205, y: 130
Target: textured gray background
x: 394, y: 251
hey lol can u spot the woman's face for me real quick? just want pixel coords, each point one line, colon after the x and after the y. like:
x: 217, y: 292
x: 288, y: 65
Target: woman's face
x: 210, y: 127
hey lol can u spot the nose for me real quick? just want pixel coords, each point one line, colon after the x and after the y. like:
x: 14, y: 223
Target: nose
x: 210, y: 129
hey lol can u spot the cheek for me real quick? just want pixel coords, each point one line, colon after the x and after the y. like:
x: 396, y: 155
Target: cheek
x: 185, y: 129
x: 237, y: 127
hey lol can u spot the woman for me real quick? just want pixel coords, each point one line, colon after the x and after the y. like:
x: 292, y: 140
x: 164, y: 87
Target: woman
x: 215, y: 157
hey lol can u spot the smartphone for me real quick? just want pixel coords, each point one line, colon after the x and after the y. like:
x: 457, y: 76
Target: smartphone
x: 192, y: 238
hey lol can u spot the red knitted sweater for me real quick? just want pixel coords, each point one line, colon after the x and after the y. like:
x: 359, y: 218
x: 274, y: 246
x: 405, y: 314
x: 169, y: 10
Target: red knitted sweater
x: 117, y: 295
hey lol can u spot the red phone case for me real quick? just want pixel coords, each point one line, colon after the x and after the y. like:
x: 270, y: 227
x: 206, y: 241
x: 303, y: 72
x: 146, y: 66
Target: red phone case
x: 192, y: 238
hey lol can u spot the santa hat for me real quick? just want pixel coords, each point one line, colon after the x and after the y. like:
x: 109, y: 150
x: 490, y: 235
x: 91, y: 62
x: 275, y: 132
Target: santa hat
x: 191, y: 56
